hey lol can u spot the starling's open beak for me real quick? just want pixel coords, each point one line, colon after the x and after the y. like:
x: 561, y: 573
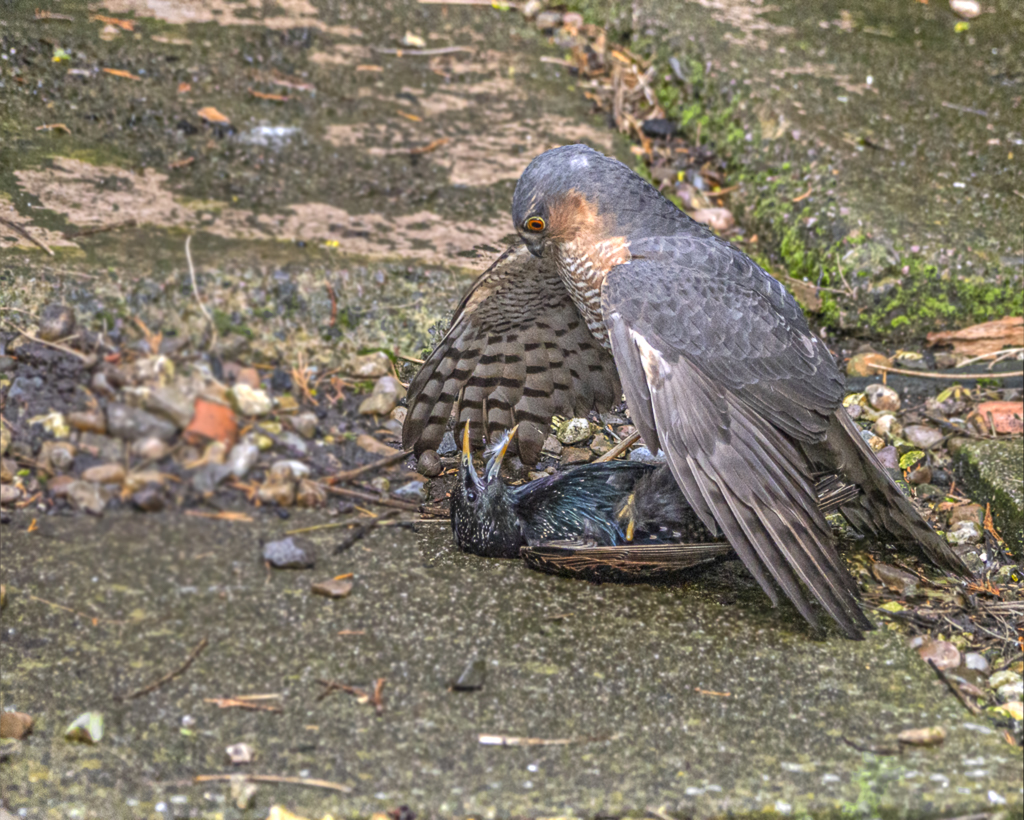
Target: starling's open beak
x: 494, y: 465
x: 467, y: 458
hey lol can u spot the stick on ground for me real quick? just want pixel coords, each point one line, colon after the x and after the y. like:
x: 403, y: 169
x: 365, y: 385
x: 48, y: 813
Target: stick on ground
x: 170, y: 675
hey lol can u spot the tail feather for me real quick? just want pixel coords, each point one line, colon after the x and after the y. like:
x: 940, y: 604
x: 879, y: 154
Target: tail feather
x: 881, y: 508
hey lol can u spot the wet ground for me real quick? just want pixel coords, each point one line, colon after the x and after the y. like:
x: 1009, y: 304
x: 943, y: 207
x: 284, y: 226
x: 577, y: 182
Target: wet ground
x: 388, y: 177
x: 698, y: 700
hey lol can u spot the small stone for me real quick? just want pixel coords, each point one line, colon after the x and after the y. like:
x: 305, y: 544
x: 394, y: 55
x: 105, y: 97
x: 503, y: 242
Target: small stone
x: 929, y: 736
x: 151, y: 448
x: 854, y: 411
x: 923, y: 436
x: 8, y: 470
x: 370, y: 366
x: 399, y: 414
x: 92, y: 421
x: 239, y: 753
x: 381, y: 484
x: 7, y: 364
x: 548, y: 20
x: 87, y: 728
x: 531, y: 8
x: 57, y: 486
x: 572, y: 18
x: 976, y: 661
x: 552, y: 446
x: 105, y: 474
x: 136, y: 480
x: 448, y: 446
x: 242, y: 793
x: 429, y: 464
x: 965, y: 533
x: 56, y: 322
x: 53, y: 423
x: 718, y: 219
x: 153, y: 370
x: 9, y: 494
x: 305, y: 424
x: 149, y: 499
x: 242, y: 458
x: 310, y: 494
x: 574, y: 431
x: 288, y: 553
x: 859, y: 365
x: 920, y: 476
x: 5, y: 437
x: 288, y: 469
x: 133, y: 423
x: 293, y: 443
x: 942, y: 653
x: 472, y: 677
x: 377, y: 404
x: 968, y: 512
x: 101, y: 383
x: 643, y: 455
x: 86, y: 496
x: 877, y: 443
x: 215, y: 452
x: 335, y: 588
x: 105, y: 448
x: 967, y: 9
x: 281, y: 493
x: 249, y: 376
x: 600, y: 445
x: 882, y: 397
x: 1013, y: 691
x: 207, y: 477
x: 887, y: 426
x: 286, y: 404
x: 15, y: 724
x: 576, y: 455
x: 249, y: 401
x: 1003, y: 678
x: 56, y: 456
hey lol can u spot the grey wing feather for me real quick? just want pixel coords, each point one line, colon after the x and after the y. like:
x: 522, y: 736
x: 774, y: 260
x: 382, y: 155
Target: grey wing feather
x: 517, y: 352
x: 722, y: 395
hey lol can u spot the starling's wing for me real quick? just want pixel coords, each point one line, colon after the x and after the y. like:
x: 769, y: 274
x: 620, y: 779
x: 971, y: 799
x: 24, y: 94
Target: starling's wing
x: 517, y: 352
x: 721, y: 371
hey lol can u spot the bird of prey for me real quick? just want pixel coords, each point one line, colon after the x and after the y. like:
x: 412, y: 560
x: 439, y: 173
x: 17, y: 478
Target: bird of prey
x: 716, y: 361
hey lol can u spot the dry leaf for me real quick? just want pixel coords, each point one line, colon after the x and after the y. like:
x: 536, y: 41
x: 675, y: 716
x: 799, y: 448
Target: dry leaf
x: 1006, y: 416
x: 127, y: 25
x: 212, y: 115
x: 988, y: 337
x: 184, y: 88
x: 260, y: 95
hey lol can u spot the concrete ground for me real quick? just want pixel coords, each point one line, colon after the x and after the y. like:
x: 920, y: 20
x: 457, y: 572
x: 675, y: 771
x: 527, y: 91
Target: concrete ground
x: 697, y: 700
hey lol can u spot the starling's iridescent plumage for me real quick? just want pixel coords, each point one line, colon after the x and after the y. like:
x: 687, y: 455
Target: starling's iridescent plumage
x: 609, y: 504
x: 593, y: 501
x: 716, y: 361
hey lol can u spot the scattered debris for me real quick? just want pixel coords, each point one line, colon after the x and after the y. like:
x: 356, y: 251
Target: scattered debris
x: 86, y: 728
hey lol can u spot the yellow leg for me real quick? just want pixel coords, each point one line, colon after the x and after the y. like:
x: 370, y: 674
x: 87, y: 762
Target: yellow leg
x: 629, y: 512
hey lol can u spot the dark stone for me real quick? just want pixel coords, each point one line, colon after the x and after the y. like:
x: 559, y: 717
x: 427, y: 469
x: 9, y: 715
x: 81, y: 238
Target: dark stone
x: 658, y: 128
x: 149, y: 499
x: 429, y: 464
x: 472, y: 677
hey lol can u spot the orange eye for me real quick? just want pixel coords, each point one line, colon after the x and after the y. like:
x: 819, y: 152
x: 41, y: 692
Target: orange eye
x: 535, y: 224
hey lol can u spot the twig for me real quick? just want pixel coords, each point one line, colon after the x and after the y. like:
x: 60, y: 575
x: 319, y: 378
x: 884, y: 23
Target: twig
x: 276, y: 778
x: 360, y: 531
x: 804, y: 195
x: 946, y: 376
x: 239, y: 703
x: 195, y: 289
x: 145, y: 690
x: 409, y: 359
x: 348, y: 475
x: 88, y: 359
x: 373, y: 499
x: 93, y: 618
x: 422, y: 52
x: 506, y: 740
x: 433, y: 145
x: 619, y: 448
x: 963, y: 108
x: 995, y: 354
x: 971, y: 707
x: 27, y: 235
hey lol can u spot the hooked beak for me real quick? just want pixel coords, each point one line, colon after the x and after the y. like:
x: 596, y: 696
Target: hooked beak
x: 494, y: 465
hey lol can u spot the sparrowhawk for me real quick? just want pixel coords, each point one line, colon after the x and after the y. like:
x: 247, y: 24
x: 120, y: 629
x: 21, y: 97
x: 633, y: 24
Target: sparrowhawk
x: 717, y: 363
